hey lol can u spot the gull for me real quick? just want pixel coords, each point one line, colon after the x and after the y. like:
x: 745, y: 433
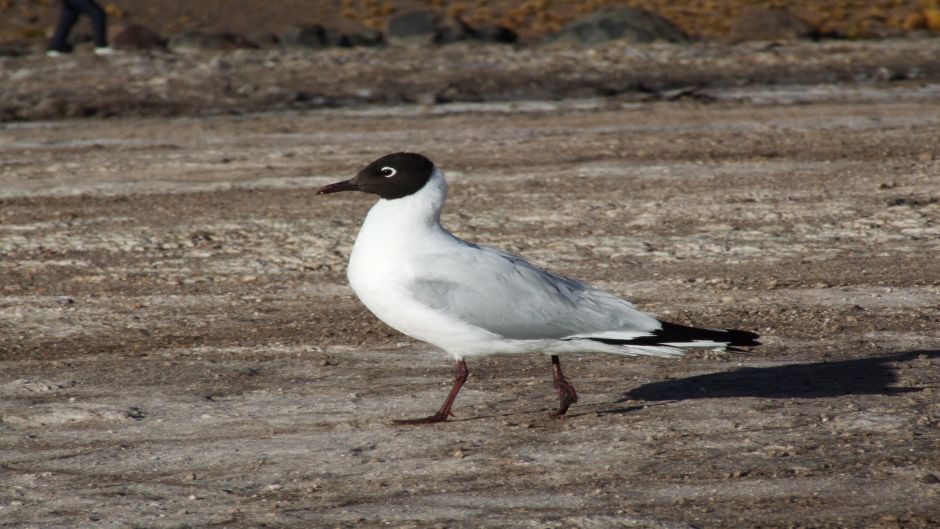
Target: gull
x: 471, y: 300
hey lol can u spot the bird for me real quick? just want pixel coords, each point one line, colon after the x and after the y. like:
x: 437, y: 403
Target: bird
x: 471, y: 300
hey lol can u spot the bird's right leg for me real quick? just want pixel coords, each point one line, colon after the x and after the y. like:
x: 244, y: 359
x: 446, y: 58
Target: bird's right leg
x: 566, y: 391
x: 443, y: 413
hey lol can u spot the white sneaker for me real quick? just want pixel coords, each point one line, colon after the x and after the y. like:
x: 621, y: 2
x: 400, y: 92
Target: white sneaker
x: 54, y: 53
x: 105, y: 50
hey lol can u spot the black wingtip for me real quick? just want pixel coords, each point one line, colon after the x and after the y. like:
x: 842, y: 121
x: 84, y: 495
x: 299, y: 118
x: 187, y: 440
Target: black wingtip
x: 741, y: 338
x: 675, y: 333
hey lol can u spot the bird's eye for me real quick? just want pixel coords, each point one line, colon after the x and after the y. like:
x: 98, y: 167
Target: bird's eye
x: 388, y: 172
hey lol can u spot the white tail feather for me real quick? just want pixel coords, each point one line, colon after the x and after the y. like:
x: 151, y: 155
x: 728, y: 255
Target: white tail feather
x: 650, y: 350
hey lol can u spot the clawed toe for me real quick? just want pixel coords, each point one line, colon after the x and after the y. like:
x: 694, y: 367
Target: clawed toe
x: 424, y: 420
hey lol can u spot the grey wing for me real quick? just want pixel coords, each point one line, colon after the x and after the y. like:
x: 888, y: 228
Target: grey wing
x: 506, y: 295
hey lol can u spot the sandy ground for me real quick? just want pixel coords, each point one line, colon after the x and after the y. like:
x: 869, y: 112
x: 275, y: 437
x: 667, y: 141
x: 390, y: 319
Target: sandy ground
x: 179, y: 347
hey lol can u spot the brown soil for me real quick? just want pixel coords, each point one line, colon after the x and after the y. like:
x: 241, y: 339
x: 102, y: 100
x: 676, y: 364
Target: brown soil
x: 179, y: 347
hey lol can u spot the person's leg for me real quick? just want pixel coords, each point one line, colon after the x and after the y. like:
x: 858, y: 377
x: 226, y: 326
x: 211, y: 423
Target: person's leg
x: 60, y: 38
x: 99, y: 19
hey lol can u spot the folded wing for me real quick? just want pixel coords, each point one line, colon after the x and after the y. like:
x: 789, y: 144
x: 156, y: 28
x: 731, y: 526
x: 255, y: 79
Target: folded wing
x: 510, y: 297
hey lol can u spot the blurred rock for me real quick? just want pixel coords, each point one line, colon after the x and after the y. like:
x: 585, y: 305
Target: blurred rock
x: 422, y: 28
x: 363, y: 37
x: 135, y: 37
x: 264, y: 39
x: 306, y: 36
x: 499, y: 34
x: 454, y: 29
x: 14, y: 49
x: 316, y: 36
x: 770, y: 24
x: 415, y: 28
x: 634, y: 25
x: 188, y: 42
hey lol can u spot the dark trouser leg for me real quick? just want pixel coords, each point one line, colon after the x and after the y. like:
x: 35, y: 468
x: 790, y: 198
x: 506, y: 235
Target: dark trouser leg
x: 566, y: 391
x: 443, y: 413
x: 99, y: 19
x: 67, y: 19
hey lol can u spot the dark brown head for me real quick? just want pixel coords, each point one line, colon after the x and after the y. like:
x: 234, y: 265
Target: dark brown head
x: 391, y: 176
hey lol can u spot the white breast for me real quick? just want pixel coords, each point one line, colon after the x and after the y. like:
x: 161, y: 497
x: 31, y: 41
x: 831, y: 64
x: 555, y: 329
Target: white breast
x: 394, y: 241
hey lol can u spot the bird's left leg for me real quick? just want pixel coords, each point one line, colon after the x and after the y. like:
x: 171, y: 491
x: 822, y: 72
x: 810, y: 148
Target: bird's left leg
x: 443, y: 413
x: 566, y: 391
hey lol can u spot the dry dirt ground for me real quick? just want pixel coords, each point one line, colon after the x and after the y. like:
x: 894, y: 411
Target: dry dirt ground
x: 179, y: 347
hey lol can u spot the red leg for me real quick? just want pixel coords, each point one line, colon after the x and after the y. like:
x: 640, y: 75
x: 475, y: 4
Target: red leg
x: 566, y: 391
x: 443, y: 413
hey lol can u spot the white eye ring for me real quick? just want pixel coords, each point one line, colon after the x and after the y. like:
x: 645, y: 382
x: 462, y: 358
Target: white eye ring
x: 388, y: 172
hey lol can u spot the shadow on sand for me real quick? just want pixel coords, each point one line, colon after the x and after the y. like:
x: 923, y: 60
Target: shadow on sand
x: 862, y: 376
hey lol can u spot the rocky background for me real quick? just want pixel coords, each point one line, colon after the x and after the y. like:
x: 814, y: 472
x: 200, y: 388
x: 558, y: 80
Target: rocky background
x: 240, y: 56
x: 261, y: 23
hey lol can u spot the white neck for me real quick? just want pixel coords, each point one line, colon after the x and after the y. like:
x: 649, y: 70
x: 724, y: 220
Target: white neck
x: 397, y: 233
x: 418, y: 211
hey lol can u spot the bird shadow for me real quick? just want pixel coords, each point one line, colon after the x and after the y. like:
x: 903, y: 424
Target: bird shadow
x: 860, y: 376
x: 621, y: 410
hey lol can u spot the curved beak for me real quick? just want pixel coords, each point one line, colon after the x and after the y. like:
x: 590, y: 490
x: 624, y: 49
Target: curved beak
x: 345, y: 185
